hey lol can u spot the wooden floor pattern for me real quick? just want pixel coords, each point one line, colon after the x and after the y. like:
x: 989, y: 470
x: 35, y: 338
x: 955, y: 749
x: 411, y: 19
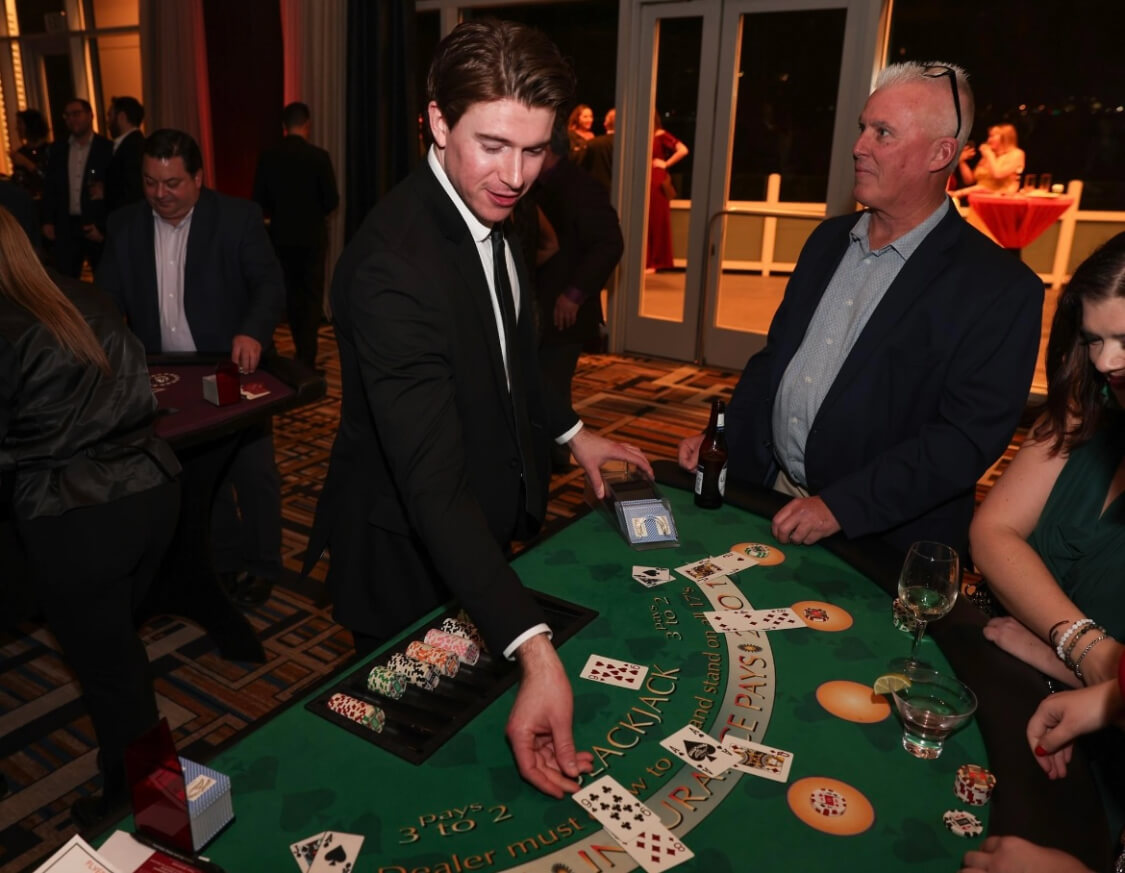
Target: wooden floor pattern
x: 47, y: 750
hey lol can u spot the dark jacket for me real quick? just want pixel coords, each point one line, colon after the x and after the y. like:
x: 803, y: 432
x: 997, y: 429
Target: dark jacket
x: 928, y: 397
x: 423, y: 492
x: 123, y: 183
x: 70, y: 435
x: 56, y: 184
x: 296, y: 188
x: 232, y: 280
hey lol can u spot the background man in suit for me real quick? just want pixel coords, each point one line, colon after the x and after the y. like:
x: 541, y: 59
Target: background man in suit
x: 598, y: 157
x: 899, y: 361
x: 296, y: 188
x: 123, y: 177
x: 74, y: 208
x: 568, y: 285
x: 441, y: 458
x: 193, y: 271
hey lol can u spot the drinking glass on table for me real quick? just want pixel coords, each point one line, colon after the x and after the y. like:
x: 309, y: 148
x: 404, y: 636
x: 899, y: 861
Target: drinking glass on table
x: 928, y: 586
x: 1030, y: 182
x: 932, y: 705
x: 1044, y: 181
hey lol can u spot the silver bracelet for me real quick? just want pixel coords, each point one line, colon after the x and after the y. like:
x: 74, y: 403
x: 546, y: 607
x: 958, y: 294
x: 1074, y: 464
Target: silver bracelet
x: 1070, y: 631
x: 1085, y: 652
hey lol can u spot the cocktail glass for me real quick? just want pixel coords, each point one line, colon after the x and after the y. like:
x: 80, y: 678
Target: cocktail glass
x: 932, y: 705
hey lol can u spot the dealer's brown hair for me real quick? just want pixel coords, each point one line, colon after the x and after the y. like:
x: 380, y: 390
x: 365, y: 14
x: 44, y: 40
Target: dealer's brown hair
x: 485, y: 60
x: 24, y: 281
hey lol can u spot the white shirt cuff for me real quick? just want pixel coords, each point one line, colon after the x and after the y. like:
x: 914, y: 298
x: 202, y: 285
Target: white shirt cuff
x: 569, y: 435
x: 510, y: 652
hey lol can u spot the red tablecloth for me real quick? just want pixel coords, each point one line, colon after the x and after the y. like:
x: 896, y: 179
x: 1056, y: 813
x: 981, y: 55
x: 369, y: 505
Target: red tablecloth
x: 1015, y: 220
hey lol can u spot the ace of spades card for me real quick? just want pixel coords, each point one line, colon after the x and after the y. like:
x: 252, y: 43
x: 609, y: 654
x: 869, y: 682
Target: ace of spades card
x: 701, y: 751
x: 650, y: 577
x: 610, y: 671
x: 337, y: 853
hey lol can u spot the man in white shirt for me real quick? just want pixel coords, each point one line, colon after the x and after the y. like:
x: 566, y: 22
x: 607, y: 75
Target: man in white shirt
x: 442, y: 455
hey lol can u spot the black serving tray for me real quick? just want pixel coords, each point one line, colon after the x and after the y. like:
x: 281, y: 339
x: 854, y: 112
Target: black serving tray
x: 421, y: 722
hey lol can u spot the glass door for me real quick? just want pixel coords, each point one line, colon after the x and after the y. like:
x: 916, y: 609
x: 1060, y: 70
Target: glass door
x: 771, y: 157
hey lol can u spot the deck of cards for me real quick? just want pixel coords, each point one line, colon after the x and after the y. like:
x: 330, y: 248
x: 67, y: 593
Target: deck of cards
x: 632, y: 824
x: 327, y: 852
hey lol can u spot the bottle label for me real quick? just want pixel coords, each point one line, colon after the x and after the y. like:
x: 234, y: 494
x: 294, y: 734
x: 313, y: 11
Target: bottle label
x: 699, y: 479
x: 721, y: 422
x: 722, y: 481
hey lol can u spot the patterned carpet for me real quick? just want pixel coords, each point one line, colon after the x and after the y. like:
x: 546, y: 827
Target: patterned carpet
x: 47, y: 751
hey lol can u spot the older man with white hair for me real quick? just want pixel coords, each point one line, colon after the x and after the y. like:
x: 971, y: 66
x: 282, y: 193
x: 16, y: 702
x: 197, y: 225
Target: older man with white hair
x: 899, y: 361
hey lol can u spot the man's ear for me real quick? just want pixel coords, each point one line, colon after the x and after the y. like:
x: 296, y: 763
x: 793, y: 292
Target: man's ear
x: 438, y: 127
x: 945, y: 149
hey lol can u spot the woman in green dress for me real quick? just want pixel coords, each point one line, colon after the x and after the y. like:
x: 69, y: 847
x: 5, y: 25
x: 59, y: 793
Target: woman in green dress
x: 1050, y: 536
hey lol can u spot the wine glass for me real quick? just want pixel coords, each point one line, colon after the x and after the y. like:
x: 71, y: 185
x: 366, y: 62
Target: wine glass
x: 927, y: 586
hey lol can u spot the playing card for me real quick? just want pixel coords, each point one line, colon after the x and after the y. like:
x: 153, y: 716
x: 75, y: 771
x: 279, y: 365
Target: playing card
x: 636, y: 827
x: 730, y: 621
x: 305, y: 850
x: 732, y: 562
x: 337, y: 853
x: 700, y: 571
x: 610, y: 671
x: 649, y: 577
x: 701, y: 751
x: 759, y: 760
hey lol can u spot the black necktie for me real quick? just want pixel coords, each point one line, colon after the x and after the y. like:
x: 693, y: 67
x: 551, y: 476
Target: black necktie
x: 532, y: 491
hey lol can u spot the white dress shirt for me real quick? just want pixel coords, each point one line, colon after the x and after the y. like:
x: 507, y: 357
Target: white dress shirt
x: 170, y: 251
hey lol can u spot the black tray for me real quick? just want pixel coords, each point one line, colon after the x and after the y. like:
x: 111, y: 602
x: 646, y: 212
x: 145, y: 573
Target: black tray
x: 421, y: 722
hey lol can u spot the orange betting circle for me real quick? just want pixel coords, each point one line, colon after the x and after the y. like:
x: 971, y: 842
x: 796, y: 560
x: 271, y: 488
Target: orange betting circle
x: 857, y: 818
x: 838, y: 619
x: 773, y: 554
x: 853, y: 701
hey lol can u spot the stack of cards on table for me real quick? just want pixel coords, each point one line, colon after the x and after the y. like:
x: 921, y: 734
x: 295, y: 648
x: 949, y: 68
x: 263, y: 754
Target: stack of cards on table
x: 732, y: 621
x: 208, y: 801
x: 718, y: 565
x: 610, y: 671
x: 650, y: 577
x: 328, y: 852
x: 632, y: 824
x: 712, y: 758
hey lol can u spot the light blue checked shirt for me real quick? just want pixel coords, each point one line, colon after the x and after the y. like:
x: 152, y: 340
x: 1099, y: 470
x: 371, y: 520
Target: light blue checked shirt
x: 857, y: 286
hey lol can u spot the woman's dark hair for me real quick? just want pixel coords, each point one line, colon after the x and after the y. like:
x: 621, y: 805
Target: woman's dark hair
x: 35, y: 124
x: 1074, y: 386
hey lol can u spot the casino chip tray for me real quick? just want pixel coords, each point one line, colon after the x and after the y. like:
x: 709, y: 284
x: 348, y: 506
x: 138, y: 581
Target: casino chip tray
x: 420, y: 722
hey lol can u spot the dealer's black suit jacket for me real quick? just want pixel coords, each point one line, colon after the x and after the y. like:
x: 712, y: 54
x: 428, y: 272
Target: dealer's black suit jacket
x: 927, y: 399
x: 423, y: 492
x: 296, y: 187
x: 232, y: 280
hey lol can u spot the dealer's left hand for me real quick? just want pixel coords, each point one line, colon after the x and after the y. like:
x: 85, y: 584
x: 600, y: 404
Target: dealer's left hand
x: 1015, y: 855
x: 246, y: 352
x: 804, y: 521
x: 592, y: 450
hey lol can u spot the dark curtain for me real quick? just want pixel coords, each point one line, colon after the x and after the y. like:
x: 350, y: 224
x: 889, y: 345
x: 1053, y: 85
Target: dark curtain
x: 382, y: 131
x: 244, y: 65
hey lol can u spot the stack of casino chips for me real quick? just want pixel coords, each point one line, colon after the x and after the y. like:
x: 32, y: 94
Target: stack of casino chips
x: 974, y: 784
x: 414, y: 672
x: 463, y: 627
x: 385, y: 681
x: 963, y: 824
x: 464, y: 648
x: 446, y: 663
x: 829, y: 803
x: 366, y: 714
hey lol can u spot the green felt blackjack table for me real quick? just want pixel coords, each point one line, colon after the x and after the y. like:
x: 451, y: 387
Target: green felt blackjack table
x: 465, y: 807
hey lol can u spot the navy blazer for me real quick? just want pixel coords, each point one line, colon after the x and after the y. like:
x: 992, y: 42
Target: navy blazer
x: 232, y: 280
x: 927, y: 399
x: 425, y: 485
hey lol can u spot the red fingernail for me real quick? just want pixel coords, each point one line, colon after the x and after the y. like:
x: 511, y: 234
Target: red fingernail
x: 1041, y: 752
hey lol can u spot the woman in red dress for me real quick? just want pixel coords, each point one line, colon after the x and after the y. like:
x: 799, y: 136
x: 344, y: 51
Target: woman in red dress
x: 666, y: 151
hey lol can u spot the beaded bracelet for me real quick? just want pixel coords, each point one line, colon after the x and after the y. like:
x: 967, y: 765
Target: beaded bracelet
x: 1054, y: 629
x: 1092, y: 628
x: 1085, y: 652
x: 1081, y: 623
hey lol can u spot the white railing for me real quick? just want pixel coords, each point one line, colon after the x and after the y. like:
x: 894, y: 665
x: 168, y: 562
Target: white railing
x: 1071, y: 246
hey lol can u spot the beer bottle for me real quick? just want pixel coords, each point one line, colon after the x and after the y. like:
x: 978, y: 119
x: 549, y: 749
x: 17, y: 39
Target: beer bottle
x: 711, y: 474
